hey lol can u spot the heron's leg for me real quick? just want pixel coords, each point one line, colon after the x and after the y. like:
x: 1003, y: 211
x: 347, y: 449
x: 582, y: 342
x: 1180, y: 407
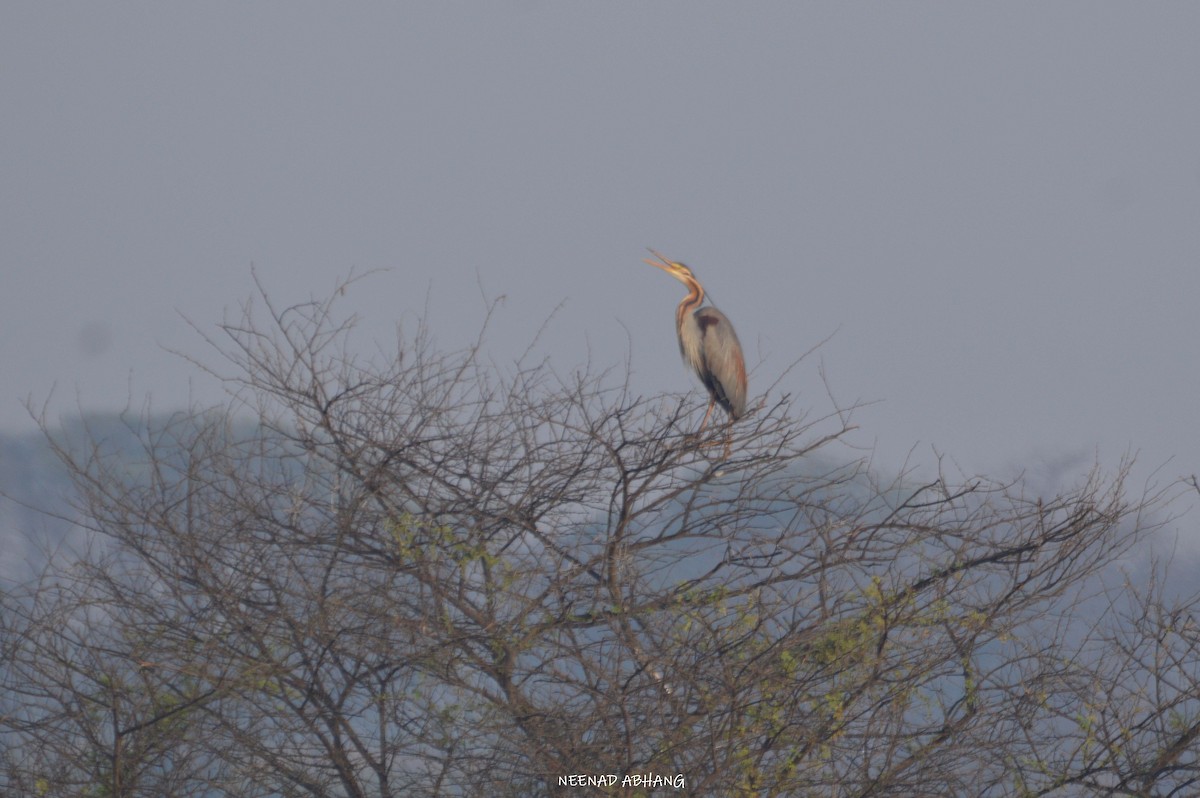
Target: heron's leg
x: 707, y: 413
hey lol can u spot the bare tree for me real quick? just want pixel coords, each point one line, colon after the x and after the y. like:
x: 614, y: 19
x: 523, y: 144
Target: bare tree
x: 436, y: 576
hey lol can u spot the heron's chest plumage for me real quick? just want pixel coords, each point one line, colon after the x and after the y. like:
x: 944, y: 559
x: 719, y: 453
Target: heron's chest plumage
x: 695, y: 325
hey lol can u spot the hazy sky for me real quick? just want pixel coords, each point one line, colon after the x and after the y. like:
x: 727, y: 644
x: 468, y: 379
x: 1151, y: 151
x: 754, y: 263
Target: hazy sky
x: 995, y: 207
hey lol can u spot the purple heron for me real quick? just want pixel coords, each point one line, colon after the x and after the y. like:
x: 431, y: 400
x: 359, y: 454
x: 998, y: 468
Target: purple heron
x: 708, y: 344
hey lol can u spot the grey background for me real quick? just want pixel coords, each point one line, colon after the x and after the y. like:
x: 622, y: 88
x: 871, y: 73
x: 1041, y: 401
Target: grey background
x: 993, y: 208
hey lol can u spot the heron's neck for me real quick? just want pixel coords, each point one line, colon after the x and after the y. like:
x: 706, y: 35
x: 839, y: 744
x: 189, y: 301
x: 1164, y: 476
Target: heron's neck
x: 690, y: 303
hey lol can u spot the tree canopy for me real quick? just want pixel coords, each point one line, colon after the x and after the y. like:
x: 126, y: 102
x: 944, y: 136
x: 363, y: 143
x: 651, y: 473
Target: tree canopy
x: 434, y: 575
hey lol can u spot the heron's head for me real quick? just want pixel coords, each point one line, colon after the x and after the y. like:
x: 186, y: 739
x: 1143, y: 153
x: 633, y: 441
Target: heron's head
x: 677, y: 270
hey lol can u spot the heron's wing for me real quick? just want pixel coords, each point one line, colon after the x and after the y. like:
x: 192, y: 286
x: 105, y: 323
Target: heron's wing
x: 724, y: 371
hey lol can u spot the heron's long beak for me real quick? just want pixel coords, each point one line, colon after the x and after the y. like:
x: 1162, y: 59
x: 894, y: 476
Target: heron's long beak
x: 666, y: 265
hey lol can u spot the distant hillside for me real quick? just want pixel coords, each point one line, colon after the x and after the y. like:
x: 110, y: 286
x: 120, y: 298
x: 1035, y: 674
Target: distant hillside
x: 33, y: 488
x: 37, y: 496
